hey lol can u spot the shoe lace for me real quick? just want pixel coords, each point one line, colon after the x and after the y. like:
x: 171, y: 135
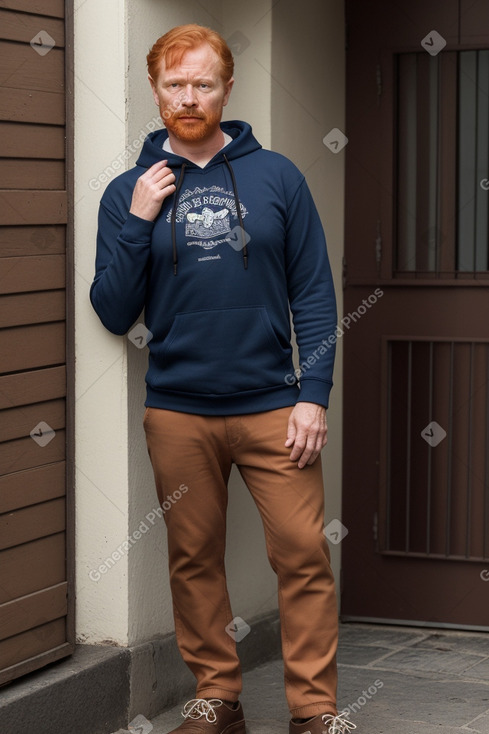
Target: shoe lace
x: 338, y: 724
x: 198, y: 707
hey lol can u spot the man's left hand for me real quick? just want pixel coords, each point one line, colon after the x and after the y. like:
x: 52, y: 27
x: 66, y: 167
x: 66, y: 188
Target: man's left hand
x: 306, y: 432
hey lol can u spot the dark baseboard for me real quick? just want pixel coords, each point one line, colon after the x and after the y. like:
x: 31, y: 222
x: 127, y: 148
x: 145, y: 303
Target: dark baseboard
x: 101, y: 688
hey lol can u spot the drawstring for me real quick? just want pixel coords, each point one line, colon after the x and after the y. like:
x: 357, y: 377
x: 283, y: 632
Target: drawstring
x: 174, y: 215
x: 174, y: 219
x: 238, y: 211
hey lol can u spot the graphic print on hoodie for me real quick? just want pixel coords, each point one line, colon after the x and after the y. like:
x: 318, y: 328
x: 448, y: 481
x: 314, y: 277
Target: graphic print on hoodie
x: 238, y: 242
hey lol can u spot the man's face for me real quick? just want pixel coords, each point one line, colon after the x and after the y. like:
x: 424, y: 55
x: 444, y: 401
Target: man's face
x: 192, y: 94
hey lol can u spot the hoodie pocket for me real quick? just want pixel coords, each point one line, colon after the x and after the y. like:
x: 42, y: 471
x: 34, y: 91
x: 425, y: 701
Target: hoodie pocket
x: 221, y: 352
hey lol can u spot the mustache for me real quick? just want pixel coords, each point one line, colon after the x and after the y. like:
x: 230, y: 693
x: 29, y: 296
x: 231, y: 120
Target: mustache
x: 188, y: 114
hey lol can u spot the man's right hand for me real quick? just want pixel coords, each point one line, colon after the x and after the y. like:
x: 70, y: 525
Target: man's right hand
x: 151, y: 190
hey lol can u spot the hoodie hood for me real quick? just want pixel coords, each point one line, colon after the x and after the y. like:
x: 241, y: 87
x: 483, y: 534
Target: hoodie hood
x: 243, y: 143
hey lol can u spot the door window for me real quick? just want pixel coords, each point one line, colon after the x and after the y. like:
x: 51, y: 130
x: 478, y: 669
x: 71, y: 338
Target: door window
x: 442, y: 164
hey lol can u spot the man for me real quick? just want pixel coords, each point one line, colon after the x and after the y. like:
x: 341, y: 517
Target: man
x: 216, y: 238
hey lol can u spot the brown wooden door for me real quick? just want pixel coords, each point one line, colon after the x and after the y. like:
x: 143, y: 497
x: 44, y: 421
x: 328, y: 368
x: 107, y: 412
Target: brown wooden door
x: 416, y: 327
x: 36, y: 374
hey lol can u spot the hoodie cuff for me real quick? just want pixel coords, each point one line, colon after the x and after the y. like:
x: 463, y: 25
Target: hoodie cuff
x: 136, y: 230
x: 315, y: 391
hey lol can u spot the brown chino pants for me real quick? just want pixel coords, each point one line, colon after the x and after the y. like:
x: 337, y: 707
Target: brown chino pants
x: 198, y: 451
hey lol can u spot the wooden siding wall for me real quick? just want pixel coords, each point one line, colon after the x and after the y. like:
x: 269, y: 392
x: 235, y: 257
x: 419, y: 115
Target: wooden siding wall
x: 36, y: 543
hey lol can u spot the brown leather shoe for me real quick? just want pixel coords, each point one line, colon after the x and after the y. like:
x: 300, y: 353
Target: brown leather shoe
x: 211, y: 716
x: 323, y: 724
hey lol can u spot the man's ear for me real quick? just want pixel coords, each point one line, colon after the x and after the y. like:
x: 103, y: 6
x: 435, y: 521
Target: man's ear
x: 153, y: 89
x: 228, y: 87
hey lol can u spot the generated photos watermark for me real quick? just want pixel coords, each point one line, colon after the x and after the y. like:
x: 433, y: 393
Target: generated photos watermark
x: 238, y: 238
x: 42, y: 434
x: 335, y: 140
x: 433, y: 434
x: 238, y: 629
x: 326, y: 344
x: 118, y: 164
x: 42, y: 43
x: 366, y: 696
x: 140, y: 336
x: 122, y: 549
x: 238, y: 43
x: 433, y: 43
x: 140, y: 725
x: 335, y: 531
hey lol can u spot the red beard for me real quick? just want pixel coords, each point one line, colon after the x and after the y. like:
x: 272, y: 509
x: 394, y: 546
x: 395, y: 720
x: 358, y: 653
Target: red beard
x: 199, y: 128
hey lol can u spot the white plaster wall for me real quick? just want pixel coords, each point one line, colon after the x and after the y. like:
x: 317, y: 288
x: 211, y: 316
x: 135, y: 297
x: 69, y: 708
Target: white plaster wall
x: 248, y: 28
x: 114, y: 110
x: 308, y: 100
x: 101, y: 384
x: 149, y: 592
x: 250, y: 578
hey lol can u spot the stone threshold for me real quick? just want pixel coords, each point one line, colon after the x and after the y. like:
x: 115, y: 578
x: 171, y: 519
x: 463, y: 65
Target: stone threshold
x: 102, y: 688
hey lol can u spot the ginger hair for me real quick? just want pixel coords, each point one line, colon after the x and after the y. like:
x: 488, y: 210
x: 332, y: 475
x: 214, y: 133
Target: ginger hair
x: 171, y: 47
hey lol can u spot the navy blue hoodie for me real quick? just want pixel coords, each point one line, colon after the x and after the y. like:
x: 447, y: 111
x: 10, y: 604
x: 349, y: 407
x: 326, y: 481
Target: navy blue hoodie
x: 237, y: 243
